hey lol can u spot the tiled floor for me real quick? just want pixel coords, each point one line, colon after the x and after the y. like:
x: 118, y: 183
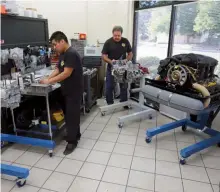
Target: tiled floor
x: 109, y: 159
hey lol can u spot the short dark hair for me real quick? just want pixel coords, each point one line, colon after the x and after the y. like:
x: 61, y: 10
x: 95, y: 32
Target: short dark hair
x: 58, y: 36
x: 117, y: 28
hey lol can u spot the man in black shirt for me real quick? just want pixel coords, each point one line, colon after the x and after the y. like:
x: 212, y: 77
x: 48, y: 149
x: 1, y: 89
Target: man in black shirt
x: 116, y: 48
x: 70, y: 73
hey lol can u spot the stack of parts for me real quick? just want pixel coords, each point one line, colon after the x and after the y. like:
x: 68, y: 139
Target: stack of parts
x: 10, y: 94
x: 127, y: 72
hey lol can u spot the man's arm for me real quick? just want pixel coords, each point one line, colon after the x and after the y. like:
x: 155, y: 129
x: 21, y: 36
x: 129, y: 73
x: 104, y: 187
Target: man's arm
x: 129, y: 51
x: 105, y: 52
x: 54, y: 73
x: 62, y: 76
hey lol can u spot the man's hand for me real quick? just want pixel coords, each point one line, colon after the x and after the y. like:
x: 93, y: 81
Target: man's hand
x: 44, y: 81
x: 113, y: 61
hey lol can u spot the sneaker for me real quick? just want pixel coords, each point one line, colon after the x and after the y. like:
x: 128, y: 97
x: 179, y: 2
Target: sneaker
x: 69, y: 149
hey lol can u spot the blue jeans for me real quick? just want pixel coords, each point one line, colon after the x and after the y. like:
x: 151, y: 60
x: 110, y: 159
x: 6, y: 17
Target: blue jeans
x: 110, y: 89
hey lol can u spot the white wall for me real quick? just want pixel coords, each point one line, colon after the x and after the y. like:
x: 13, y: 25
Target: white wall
x: 95, y: 18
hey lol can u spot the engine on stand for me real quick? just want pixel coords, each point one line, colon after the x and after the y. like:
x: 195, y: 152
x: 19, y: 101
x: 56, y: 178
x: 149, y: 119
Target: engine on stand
x: 191, y: 75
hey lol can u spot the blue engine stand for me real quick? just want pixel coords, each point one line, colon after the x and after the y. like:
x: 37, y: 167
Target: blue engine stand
x: 19, y: 172
x: 199, y: 125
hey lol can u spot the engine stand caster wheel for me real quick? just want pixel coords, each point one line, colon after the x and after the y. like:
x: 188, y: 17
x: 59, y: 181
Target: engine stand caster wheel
x: 102, y: 113
x: 120, y: 125
x: 95, y: 103
x: 50, y: 153
x: 148, y: 140
x: 21, y: 182
x: 182, y: 161
x: 87, y: 110
x: 150, y: 117
x: 184, y: 128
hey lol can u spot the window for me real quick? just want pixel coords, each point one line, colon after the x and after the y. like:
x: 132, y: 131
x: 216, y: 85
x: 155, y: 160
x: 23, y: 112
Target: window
x: 197, y: 29
x: 152, y: 35
x: 152, y: 3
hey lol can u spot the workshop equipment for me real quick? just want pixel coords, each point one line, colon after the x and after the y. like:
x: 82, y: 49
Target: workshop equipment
x: 128, y: 72
x: 190, y: 106
x: 19, y: 172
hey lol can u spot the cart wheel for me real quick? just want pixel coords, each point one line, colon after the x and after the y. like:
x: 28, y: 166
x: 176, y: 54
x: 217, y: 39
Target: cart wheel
x: 120, y: 125
x: 87, y: 110
x: 184, y: 128
x: 218, y: 144
x: 95, y: 103
x: 21, y: 182
x: 148, y: 140
x: 103, y: 113
x: 182, y: 161
x: 51, y: 154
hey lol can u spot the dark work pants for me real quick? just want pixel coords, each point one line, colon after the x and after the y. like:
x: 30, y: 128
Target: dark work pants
x: 110, y: 89
x: 72, y: 118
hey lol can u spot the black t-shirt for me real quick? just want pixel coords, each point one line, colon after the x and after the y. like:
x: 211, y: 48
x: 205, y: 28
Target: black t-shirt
x: 116, y: 50
x: 72, y: 85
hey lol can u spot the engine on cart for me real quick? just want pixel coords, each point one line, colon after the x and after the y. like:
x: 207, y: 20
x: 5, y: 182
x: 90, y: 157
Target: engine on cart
x: 184, y: 71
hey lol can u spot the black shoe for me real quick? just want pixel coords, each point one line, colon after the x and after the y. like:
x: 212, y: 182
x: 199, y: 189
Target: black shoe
x: 69, y: 149
x: 126, y: 107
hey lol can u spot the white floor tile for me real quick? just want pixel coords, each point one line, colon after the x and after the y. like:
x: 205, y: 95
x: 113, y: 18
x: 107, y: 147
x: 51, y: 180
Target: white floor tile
x: 58, y: 182
x: 141, y: 180
x: 98, y: 157
x: 212, y: 151
x: 142, y: 133
x: 111, y: 137
x: 121, y: 161
x: 211, y: 161
x: 165, y: 155
x: 58, y: 151
x: 129, y: 131
x: 192, y: 186
x: 92, y: 171
x: 141, y: 142
x: 214, y: 176
x: 187, y: 136
x: 143, y: 164
x: 168, y: 168
x: 84, y: 126
x: 83, y: 185
x: 116, y: 175
x: 11, y: 154
x: 195, y: 159
x: 123, y: 149
x: 37, y: 177
x: 37, y: 149
x: 147, y: 124
x: 127, y: 139
x: 79, y: 154
x: 26, y: 188
x: 20, y: 146
x: 69, y: 166
x: 86, y: 143
x: 7, y: 185
x: 215, y: 188
x: 168, y: 184
x: 167, y: 136
x: 168, y: 145
x: 91, y: 134
x: 194, y: 173
x: 45, y: 190
x: 131, y: 189
x: 49, y: 163
x: 102, y: 119
x: 29, y: 158
x: 96, y: 127
x: 109, y: 187
x: 147, y: 152
x: 112, y: 129
x: 182, y: 145
x: 104, y: 146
